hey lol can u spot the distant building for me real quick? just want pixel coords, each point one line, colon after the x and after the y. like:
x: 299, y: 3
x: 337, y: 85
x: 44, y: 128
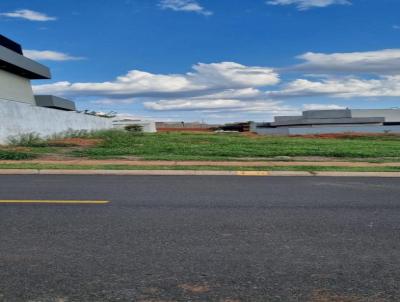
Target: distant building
x: 333, y: 121
x: 22, y: 112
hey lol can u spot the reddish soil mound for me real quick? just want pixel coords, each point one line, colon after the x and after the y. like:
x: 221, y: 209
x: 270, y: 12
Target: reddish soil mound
x: 78, y: 142
x: 184, y: 130
x: 251, y: 134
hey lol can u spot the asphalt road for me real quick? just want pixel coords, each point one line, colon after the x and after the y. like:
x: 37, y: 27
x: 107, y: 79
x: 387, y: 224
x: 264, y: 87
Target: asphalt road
x: 224, y: 239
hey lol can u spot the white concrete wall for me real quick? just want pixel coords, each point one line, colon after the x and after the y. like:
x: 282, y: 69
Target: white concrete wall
x: 148, y: 126
x: 390, y: 115
x: 20, y: 118
x: 344, y: 129
x: 327, y: 130
x: 15, y: 88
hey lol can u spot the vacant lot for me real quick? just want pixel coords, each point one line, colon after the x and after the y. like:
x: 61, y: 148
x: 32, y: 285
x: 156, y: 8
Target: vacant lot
x: 196, y: 146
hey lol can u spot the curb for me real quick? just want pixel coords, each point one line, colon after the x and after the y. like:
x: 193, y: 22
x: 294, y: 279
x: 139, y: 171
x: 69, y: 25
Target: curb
x: 198, y: 173
x: 153, y: 163
x: 358, y: 174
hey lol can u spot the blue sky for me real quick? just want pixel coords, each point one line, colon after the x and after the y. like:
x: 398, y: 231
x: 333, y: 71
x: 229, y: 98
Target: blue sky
x: 212, y: 60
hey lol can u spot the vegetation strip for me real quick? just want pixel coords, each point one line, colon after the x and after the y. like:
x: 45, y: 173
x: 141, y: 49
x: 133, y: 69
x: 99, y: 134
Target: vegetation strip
x: 118, y: 162
x: 203, y: 146
x: 197, y: 168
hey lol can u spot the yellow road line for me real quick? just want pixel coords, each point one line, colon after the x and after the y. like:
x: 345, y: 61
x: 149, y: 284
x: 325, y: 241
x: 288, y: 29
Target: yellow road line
x: 54, y: 202
x: 252, y: 173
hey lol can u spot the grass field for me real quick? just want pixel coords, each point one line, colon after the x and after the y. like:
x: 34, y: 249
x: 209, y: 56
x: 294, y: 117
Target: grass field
x: 210, y: 146
x: 189, y: 146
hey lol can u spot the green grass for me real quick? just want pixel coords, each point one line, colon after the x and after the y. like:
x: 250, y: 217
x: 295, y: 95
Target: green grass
x: 15, y: 155
x: 189, y: 146
x: 209, y: 146
x: 197, y: 168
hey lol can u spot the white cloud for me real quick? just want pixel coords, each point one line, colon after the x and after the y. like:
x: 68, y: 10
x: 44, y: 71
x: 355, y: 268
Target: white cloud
x: 380, y: 61
x: 219, y: 105
x: 243, y: 94
x: 185, y: 6
x: 378, y: 75
x: 322, y: 107
x: 346, y: 87
x: 105, y: 101
x: 134, y: 83
x: 49, y: 55
x: 233, y: 75
x: 193, y: 104
x: 239, y: 90
x: 215, y: 87
x: 307, y: 4
x: 205, y: 79
x: 28, y: 15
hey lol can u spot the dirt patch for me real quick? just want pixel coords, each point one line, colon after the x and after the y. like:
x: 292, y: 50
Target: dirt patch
x: 184, y: 130
x: 16, y: 149
x: 252, y: 135
x: 76, y: 142
x: 195, y: 288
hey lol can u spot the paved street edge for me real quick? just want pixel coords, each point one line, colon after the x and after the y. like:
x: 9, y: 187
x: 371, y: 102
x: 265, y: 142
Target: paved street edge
x: 197, y: 173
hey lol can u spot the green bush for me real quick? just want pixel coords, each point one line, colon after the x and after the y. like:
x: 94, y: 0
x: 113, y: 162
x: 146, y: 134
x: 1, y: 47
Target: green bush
x: 27, y: 140
x: 76, y: 134
x: 14, y: 155
x: 34, y: 140
x: 134, y: 128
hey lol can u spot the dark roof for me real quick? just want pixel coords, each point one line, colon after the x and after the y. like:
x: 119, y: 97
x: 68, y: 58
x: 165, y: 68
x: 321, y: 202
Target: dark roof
x: 51, y: 101
x: 10, y: 44
x: 13, y: 61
